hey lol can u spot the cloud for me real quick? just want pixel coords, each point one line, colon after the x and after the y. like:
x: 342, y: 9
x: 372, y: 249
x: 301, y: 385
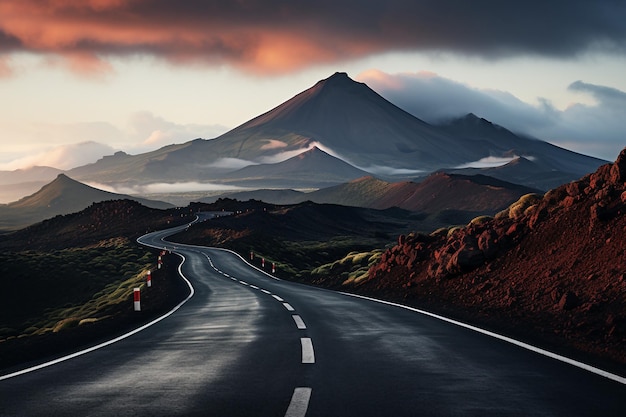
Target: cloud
x: 435, y: 99
x: 231, y: 163
x: 82, y: 142
x: 284, y: 155
x: 593, y: 129
x: 278, y: 36
x: 489, y: 162
x: 164, y: 187
x: 153, y: 131
x: 62, y: 157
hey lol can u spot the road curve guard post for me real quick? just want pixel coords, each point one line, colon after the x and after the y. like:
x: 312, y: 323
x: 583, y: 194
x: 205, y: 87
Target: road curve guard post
x: 137, y: 299
x: 262, y: 262
x: 149, y: 279
x: 273, y: 268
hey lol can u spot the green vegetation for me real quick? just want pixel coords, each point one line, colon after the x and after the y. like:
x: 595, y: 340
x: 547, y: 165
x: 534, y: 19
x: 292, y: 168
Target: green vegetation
x: 297, y: 260
x: 352, y: 268
x: 46, y: 291
x: 517, y: 209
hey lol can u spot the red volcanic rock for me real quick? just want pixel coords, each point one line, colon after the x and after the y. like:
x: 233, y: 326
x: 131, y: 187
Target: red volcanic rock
x: 550, y: 267
x: 568, y: 301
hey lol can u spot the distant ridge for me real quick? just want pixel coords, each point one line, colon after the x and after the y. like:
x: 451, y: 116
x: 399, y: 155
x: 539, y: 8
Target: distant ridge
x: 67, y: 195
x: 440, y: 192
x: 62, y: 196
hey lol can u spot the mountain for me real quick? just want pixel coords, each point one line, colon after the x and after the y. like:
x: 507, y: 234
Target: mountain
x: 351, y: 121
x: 549, y: 268
x: 62, y: 196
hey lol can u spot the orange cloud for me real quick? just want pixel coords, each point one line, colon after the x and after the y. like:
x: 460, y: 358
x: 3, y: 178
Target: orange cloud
x: 84, y: 33
x: 277, y: 36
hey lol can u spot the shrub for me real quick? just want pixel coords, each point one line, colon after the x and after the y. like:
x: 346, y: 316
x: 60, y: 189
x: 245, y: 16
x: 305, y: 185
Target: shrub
x: 517, y: 209
x: 480, y: 220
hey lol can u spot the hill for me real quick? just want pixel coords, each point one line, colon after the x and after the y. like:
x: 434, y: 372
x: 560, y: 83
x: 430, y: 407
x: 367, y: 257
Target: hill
x: 458, y: 198
x: 299, y: 237
x: 314, y: 167
x: 549, y: 268
x: 438, y: 192
x: 62, y: 196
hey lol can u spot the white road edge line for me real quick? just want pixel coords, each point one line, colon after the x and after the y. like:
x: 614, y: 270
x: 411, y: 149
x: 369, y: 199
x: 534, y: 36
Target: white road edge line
x: 110, y: 342
x: 299, y: 402
x: 299, y: 321
x: 308, y: 355
x: 289, y: 307
x: 581, y: 365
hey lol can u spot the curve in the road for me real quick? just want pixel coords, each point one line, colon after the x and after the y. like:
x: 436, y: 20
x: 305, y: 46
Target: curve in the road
x: 301, y: 394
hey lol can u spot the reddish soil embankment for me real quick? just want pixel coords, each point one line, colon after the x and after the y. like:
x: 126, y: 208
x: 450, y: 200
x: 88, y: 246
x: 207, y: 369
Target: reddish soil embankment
x: 550, y: 269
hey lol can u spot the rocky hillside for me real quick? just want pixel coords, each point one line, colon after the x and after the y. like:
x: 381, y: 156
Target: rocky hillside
x: 97, y: 222
x: 550, y: 268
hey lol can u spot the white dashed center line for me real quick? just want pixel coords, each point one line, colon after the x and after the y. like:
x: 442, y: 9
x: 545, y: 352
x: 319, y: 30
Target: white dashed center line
x: 307, y: 350
x: 299, y: 402
x: 299, y: 321
x: 302, y: 395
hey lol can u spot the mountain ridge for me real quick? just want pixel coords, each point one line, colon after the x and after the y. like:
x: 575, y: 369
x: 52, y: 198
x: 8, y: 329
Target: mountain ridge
x: 353, y: 122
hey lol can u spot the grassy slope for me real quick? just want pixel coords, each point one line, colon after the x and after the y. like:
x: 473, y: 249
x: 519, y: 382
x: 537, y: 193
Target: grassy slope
x: 69, y: 280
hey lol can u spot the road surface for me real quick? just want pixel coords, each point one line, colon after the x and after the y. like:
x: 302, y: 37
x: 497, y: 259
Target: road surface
x: 245, y: 344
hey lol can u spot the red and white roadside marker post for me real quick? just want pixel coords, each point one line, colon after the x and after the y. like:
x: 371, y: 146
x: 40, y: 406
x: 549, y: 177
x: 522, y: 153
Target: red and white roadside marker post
x: 137, y: 299
x: 160, y: 262
x: 251, y: 256
x: 262, y: 262
x: 149, y: 279
x: 273, y: 268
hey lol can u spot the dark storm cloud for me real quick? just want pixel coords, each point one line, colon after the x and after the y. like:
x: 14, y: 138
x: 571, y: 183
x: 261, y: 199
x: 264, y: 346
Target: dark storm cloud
x: 284, y: 35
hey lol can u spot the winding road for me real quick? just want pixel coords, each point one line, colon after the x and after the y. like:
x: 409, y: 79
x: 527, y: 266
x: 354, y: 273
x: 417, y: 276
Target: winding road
x: 246, y: 344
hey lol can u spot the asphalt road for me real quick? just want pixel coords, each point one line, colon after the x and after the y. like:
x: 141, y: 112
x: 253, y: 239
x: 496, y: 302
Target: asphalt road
x: 245, y: 344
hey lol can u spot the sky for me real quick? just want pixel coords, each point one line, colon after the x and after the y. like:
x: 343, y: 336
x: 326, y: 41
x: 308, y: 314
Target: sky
x: 80, y: 79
